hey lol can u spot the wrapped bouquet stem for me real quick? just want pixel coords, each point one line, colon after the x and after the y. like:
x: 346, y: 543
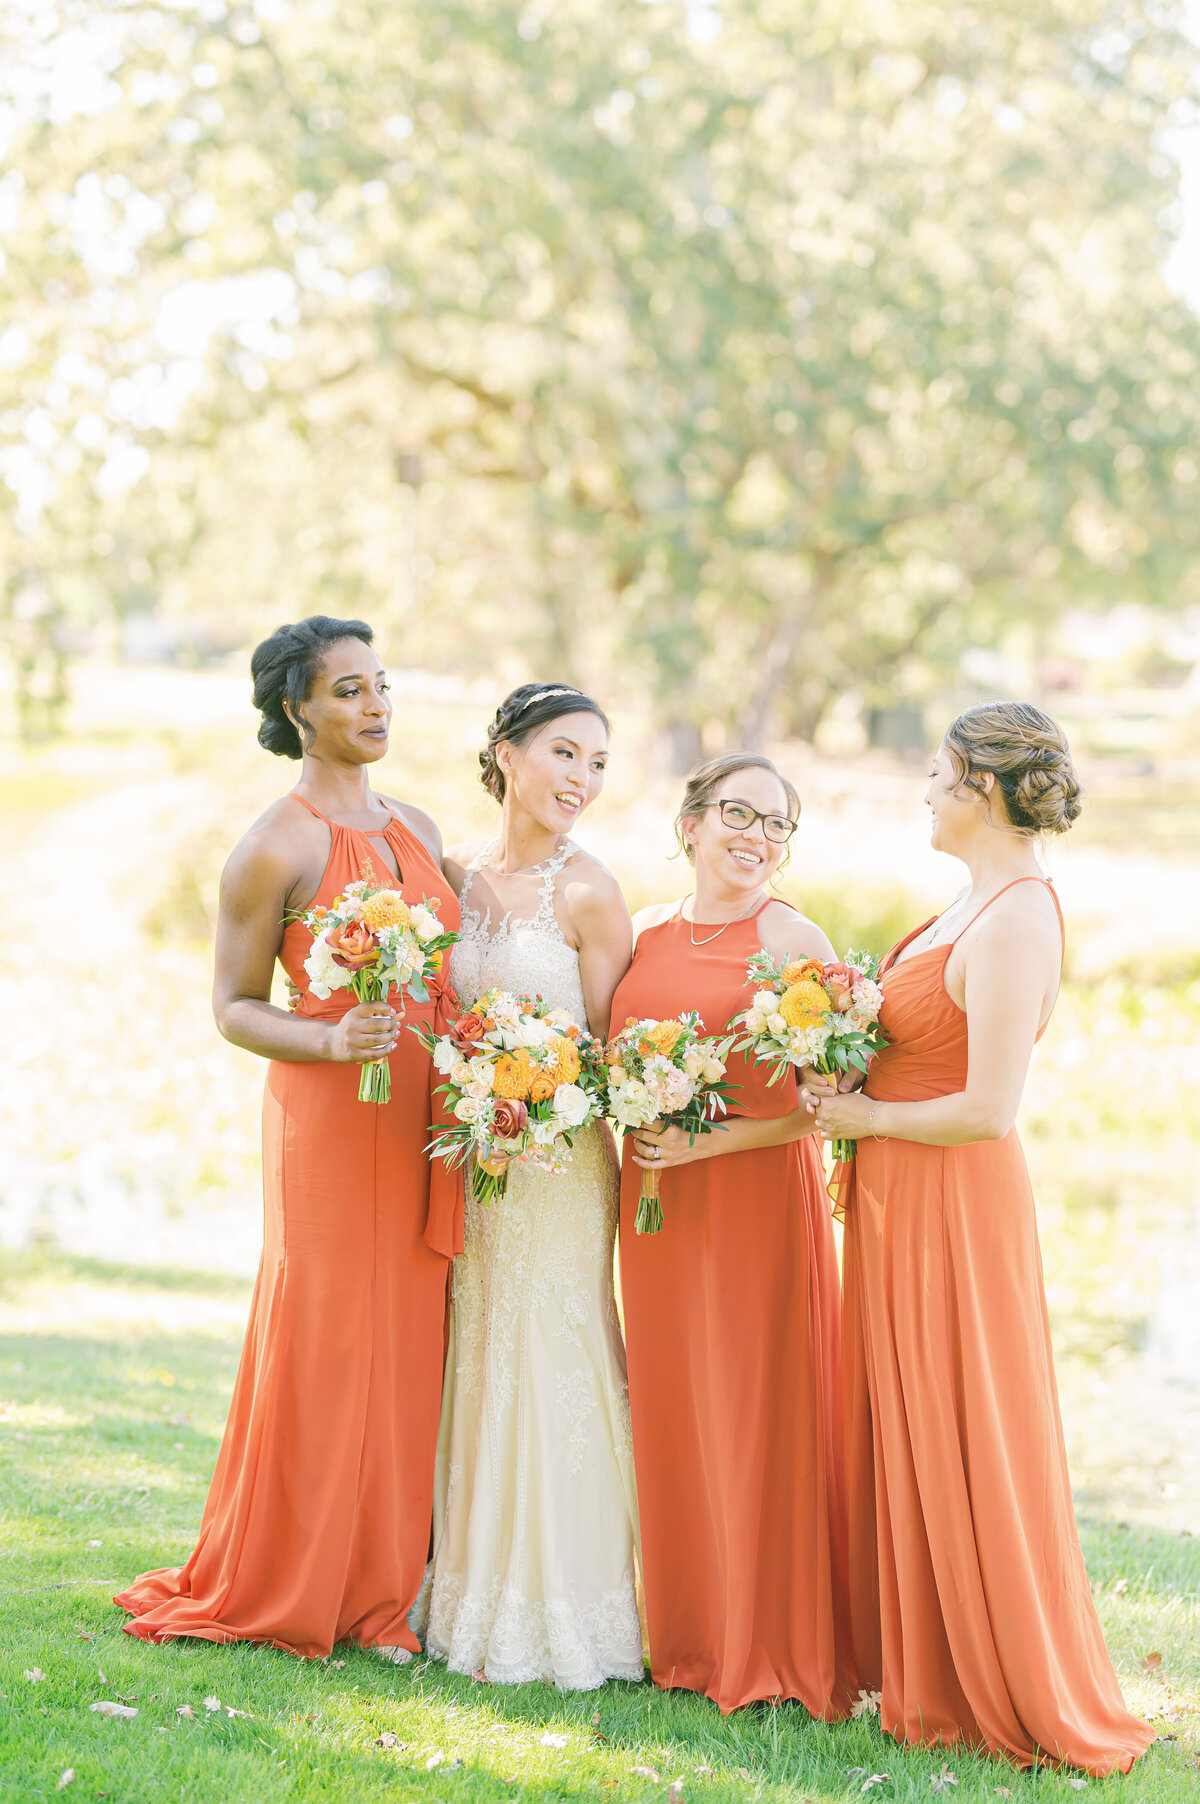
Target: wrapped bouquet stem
x: 665, y: 1074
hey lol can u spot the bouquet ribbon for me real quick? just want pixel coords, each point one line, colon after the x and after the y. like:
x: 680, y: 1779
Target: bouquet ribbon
x: 444, y: 1222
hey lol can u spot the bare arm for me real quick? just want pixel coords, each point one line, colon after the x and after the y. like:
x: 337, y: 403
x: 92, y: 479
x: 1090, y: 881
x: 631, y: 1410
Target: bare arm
x: 255, y: 887
x: 601, y: 928
x: 787, y: 934
x: 1009, y: 975
x: 740, y: 1134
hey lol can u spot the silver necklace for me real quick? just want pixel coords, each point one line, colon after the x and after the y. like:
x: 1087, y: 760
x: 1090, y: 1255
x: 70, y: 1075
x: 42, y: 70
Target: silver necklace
x: 720, y: 929
x: 965, y: 902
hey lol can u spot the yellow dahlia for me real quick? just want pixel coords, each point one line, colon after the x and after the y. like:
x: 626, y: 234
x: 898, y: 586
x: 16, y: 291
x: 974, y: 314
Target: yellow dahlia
x: 804, y: 1003
x: 386, y: 908
x: 566, y: 1060
x: 799, y: 969
x: 515, y: 1071
x: 664, y: 1035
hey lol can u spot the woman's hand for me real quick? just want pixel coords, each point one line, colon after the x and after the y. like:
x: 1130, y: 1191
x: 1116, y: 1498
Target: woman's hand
x: 844, y: 1116
x: 295, y: 996
x: 656, y: 1147
x: 815, y: 1086
x: 496, y: 1165
x: 368, y: 1032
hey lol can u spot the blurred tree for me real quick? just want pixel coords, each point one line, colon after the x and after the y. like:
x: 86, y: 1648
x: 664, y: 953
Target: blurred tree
x: 754, y: 352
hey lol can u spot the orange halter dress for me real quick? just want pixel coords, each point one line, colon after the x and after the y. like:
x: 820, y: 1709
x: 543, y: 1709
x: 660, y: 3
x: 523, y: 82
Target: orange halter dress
x: 316, y: 1528
x: 731, y: 1329
x: 971, y: 1606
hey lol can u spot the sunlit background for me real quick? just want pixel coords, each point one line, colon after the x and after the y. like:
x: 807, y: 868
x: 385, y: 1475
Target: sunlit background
x: 787, y: 375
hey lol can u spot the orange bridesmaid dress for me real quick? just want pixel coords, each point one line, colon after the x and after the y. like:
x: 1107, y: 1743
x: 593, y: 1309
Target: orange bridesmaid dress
x: 731, y: 1327
x: 972, y: 1612
x: 316, y: 1528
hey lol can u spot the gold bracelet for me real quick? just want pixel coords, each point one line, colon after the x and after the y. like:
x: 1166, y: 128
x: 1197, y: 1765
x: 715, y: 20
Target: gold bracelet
x: 882, y: 1138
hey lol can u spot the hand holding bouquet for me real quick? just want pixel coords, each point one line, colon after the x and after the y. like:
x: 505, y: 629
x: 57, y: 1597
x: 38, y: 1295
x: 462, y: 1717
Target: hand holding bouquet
x: 371, y: 941
x: 805, y: 1013
x: 521, y: 1080
x: 667, y: 1072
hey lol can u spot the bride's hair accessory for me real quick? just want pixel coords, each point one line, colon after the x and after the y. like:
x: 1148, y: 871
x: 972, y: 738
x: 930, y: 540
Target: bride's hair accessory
x: 522, y: 714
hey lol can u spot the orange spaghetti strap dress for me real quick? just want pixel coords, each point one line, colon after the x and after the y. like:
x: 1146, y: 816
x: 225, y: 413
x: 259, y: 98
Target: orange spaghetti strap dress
x: 972, y: 1611
x: 731, y: 1327
x: 317, y: 1523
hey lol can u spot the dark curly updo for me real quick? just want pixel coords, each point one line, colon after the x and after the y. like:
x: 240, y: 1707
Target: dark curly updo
x: 1029, y: 757
x: 284, y: 668
x: 522, y: 714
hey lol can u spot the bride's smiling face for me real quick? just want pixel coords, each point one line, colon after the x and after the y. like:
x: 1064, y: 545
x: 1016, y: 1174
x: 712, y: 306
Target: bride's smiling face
x: 559, y: 772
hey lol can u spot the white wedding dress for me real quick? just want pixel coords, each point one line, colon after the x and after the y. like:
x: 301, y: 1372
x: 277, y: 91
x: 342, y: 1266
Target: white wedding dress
x: 535, y: 1515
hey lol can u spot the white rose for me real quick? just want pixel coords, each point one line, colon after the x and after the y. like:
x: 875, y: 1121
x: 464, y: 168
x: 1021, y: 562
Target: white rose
x: 324, y: 973
x: 560, y: 1018
x: 776, y: 1023
x: 483, y: 1075
x: 445, y: 1057
x: 714, y: 1071
x: 632, y: 1104
x: 571, y: 1105
x: 694, y: 1062
x: 423, y: 922
x: 461, y: 1073
x: 545, y: 1132
x: 764, y: 1002
x: 467, y: 1108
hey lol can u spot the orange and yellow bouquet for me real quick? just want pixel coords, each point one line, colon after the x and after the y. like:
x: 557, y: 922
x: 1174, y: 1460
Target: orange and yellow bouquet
x: 521, y: 1080
x: 371, y: 941
x: 669, y: 1073
x: 807, y: 1013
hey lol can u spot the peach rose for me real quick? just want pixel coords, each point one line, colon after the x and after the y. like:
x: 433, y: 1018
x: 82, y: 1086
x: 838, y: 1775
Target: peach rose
x: 542, y: 1087
x: 841, y: 981
x: 467, y: 1032
x: 353, y: 946
x: 509, y: 1119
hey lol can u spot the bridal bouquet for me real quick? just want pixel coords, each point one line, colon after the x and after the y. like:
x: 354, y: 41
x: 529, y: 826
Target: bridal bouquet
x: 823, y: 1016
x: 666, y: 1072
x: 521, y: 1080
x: 371, y: 941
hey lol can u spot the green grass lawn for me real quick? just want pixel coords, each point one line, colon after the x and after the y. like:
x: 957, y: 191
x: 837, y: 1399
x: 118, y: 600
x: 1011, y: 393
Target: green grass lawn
x: 113, y: 1385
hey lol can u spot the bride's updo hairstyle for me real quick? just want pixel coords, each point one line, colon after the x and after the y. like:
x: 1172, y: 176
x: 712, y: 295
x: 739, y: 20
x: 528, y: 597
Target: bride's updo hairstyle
x: 285, y: 667
x: 703, y: 783
x: 1029, y: 757
x: 522, y: 714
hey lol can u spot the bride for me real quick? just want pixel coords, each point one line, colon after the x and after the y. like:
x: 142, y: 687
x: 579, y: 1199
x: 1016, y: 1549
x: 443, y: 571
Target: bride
x: 534, y: 1510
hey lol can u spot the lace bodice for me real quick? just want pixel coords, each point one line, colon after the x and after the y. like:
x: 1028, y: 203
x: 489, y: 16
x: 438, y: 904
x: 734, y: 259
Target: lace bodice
x: 525, y: 954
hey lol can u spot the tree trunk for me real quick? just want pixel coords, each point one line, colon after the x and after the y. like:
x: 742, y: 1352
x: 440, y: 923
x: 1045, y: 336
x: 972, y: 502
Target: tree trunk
x: 777, y: 661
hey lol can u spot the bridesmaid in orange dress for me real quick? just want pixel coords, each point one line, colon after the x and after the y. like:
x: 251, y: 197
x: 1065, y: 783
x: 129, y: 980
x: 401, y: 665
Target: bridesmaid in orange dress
x: 731, y: 1311
x: 316, y: 1528
x: 972, y: 1611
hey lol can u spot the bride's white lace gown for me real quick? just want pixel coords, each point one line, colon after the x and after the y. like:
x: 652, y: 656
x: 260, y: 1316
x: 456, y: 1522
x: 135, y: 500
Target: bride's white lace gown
x: 532, y: 1575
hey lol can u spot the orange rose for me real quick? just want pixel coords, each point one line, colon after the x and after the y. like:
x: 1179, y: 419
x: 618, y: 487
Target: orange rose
x: 353, y: 946
x: 542, y: 1087
x: 509, y: 1118
x: 467, y: 1032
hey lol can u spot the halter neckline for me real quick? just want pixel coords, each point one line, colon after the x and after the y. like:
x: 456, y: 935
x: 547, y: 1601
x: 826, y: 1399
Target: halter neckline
x: 393, y: 819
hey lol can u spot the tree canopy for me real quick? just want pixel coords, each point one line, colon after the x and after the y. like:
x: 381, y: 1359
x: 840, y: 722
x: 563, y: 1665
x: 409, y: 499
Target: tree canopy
x: 748, y: 353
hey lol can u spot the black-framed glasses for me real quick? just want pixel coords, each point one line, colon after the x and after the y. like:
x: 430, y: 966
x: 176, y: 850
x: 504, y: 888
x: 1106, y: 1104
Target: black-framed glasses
x: 740, y: 816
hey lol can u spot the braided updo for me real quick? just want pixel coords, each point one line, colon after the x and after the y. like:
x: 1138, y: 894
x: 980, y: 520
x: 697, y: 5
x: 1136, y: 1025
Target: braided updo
x: 521, y: 715
x: 1029, y: 757
x: 284, y: 668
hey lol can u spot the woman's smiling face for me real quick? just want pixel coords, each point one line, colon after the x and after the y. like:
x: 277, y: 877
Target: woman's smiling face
x: 558, y: 772
x: 739, y: 858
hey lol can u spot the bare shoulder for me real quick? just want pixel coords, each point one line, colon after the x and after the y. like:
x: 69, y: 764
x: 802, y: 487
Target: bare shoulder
x: 786, y: 933
x: 589, y: 876
x: 422, y: 825
x: 457, y: 861
x: 593, y: 899
x: 275, y: 850
x: 1023, y: 921
x: 652, y: 916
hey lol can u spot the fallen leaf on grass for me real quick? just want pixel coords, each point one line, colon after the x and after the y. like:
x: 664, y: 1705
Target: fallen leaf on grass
x: 866, y: 1703
x: 434, y: 1760
x: 552, y: 1741
x: 34, y: 1674
x: 213, y: 1703
x: 1151, y: 1662
x: 83, y: 1635
x: 745, y: 1773
x: 454, y: 1766
x: 95, y: 1544
x: 675, y: 1792
x: 65, y: 1778
x: 646, y: 1772
x: 939, y: 1781
x: 337, y: 1663
x: 230, y: 1711
x: 106, y: 1707
x: 1121, y: 1587
x: 481, y: 1677
x: 388, y: 1740
x: 1002, y: 1791
x: 185, y: 1710
x: 1076, y: 1784
x: 101, y: 1676
x: 876, y: 1780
